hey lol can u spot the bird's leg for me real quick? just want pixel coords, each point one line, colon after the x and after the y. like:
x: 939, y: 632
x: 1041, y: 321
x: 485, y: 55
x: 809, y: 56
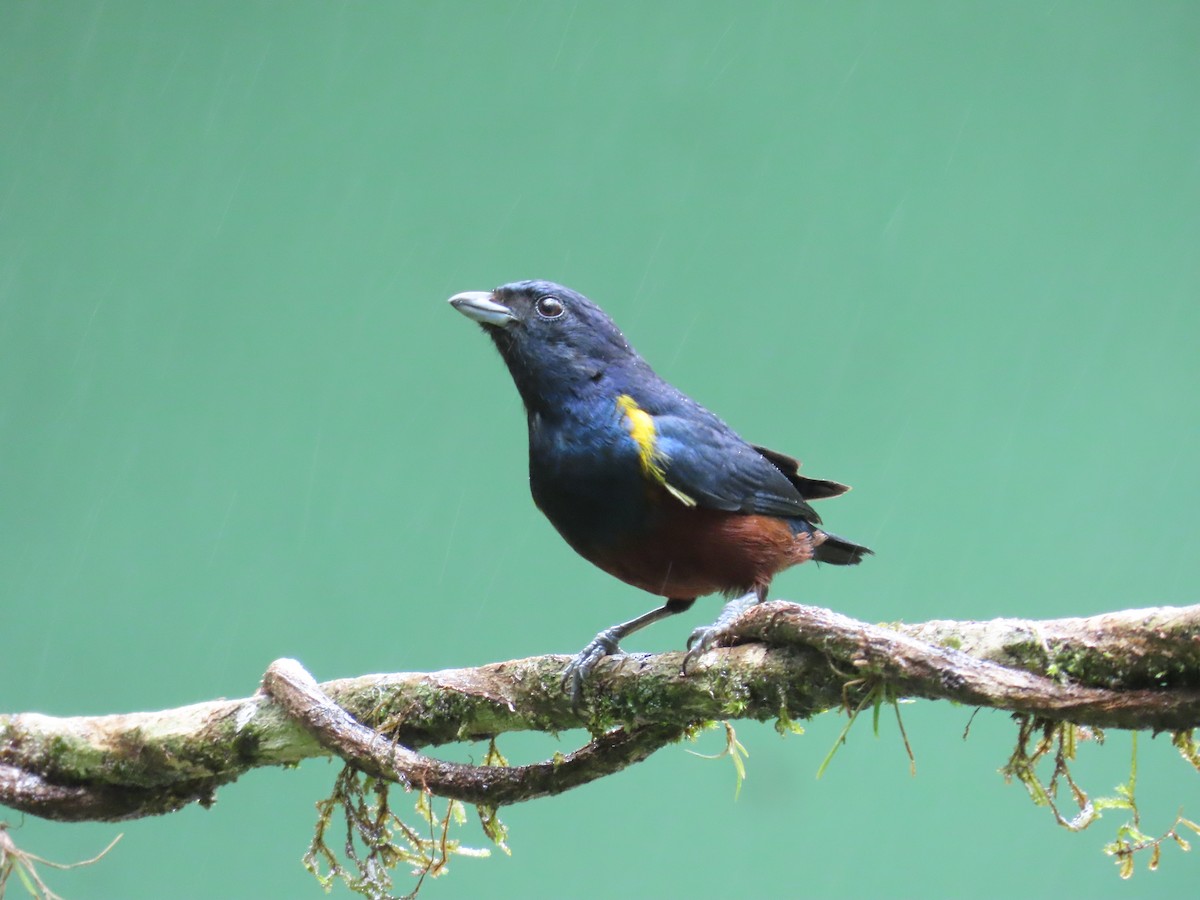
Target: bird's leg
x: 607, y: 642
x: 706, y: 635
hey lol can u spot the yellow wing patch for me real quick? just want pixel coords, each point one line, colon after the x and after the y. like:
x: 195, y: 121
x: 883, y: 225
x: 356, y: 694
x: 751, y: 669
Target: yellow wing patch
x: 640, y: 425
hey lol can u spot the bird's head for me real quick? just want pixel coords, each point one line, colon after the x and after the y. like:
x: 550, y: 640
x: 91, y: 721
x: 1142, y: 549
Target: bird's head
x: 555, y: 341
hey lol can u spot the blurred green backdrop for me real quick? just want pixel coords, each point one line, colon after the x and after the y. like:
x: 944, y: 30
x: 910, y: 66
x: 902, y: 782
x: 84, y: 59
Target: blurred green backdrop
x: 946, y: 252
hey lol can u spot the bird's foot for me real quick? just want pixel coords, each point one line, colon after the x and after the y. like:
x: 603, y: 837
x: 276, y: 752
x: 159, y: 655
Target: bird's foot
x: 706, y: 636
x: 606, y: 643
x: 700, y: 641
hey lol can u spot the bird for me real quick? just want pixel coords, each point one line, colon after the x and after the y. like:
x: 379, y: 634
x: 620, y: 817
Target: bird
x: 640, y: 479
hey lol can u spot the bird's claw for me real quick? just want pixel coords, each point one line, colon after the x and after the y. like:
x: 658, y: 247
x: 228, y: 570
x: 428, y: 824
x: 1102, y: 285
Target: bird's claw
x: 699, y: 641
x: 582, y: 663
x: 706, y: 636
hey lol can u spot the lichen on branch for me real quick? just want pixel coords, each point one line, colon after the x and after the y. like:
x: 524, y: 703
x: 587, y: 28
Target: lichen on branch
x: 1138, y: 670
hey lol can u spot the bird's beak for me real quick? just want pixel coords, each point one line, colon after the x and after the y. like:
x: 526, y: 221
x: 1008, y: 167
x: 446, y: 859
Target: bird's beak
x: 480, y: 306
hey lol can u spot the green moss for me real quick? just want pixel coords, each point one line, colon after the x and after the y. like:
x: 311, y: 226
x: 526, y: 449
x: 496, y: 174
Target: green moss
x: 71, y: 759
x: 1030, y: 655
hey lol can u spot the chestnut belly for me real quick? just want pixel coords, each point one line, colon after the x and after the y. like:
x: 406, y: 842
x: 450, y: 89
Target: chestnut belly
x: 693, y: 551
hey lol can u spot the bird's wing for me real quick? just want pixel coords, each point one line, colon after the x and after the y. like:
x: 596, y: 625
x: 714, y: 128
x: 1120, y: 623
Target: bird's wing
x: 702, y: 462
x: 809, y: 488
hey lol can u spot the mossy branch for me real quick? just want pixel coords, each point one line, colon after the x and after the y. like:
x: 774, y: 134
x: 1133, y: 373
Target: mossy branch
x: 1138, y: 670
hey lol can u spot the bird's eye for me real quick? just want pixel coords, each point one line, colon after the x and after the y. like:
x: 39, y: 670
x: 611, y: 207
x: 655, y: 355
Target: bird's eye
x: 549, y: 307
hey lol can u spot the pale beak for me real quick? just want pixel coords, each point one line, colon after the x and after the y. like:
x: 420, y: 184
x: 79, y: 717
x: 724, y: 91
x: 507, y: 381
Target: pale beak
x: 480, y: 306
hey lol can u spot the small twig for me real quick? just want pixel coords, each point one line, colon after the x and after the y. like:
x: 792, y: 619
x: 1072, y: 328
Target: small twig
x: 912, y: 759
x: 13, y: 858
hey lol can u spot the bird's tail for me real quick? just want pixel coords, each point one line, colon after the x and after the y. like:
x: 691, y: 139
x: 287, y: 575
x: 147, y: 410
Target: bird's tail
x: 837, y: 551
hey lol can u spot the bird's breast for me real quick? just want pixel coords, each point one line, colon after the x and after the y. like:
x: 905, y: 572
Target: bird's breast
x: 588, y: 480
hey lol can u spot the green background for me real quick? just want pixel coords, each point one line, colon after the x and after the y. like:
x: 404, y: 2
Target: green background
x: 945, y: 252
